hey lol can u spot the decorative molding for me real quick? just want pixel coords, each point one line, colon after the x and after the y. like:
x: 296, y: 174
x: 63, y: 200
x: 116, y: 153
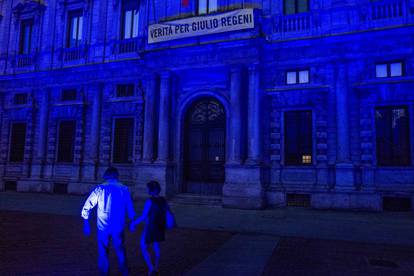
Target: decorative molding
x: 28, y: 9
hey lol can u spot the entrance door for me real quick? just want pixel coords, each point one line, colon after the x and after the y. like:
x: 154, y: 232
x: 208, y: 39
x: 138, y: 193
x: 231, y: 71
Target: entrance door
x: 204, y: 148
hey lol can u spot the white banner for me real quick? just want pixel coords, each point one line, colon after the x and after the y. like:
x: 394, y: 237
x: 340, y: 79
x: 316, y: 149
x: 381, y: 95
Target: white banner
x: 203, y: 25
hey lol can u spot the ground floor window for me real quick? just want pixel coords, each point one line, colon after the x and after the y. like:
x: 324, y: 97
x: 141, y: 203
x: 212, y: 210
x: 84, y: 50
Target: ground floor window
x: 17, y: 142
x: 298, y: 137
x: 122, y: 151
x: 66, y: 141
x: 392, y: 136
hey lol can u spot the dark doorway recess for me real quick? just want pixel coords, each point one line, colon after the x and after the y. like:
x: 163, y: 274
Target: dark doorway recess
x: 204, y: 147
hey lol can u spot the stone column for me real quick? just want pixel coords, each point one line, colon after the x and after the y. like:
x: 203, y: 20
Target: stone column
x: 236, y: 116
x: 344, y: 168
x: 164, y: 118
x: 95, y: 125
x: 40, y: 158
x: 149, y: 120
x: 243, y: 187
x: 253, y: 116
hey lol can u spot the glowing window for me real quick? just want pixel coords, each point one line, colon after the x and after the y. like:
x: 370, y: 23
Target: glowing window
x: 298, y: 137
x: 306, y: 159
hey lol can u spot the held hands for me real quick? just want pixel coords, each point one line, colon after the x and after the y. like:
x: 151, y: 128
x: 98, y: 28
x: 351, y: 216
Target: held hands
x: 86, y: 227
x: 132, y: 226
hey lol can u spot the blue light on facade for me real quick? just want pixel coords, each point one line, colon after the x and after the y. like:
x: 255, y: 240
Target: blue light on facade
x: 307, y: 103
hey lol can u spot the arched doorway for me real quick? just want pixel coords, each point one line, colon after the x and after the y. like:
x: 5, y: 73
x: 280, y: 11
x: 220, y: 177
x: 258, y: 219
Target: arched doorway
x: 204, y: 147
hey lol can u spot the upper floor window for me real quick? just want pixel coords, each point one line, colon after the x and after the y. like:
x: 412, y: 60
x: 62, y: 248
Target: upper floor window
x: 69, y: 95
x: 297, y: 77
x: 26, y: 33
x: 75, y: 29
x: 206, y: 6
x: 296, y: 6
x: 389, y: 69
x: 125, y: 90
x: 130, y: 19
x: 20, y: 98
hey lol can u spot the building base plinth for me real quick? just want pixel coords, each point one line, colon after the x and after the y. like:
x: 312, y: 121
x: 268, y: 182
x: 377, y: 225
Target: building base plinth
x: 160, y: 172
x: 38, y: 186
x: 243, y: 188
x: 77, y: 188
x: 347, y: 201
x: 345, y: 178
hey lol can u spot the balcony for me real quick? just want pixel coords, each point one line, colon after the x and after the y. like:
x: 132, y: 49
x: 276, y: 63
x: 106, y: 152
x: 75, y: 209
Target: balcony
x: 25, y: 60
x: 372, y: 15
x: 387, y: 9
x: 127, y: 47
x: 74, y: 54
x: 301, y: 24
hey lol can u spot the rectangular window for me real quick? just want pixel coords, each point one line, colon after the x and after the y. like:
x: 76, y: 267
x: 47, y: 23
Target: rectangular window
x: 206, y: 6
x: 125, y: 90
x: 130, y: 19
x: 17, y: 142
x: 26, y: 33
x: 20, y: 98
x: 75, y: 29
x: 66, y: 141
x: 296, y: 6
x: 390, y: 69
x: 298, y: 137
x: 69, y: 95
x: 297, y: 77
x: 123, y: 140
x: 392, y: 136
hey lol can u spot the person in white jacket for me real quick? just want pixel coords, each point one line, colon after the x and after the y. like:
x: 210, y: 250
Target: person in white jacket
x: 114, y: 202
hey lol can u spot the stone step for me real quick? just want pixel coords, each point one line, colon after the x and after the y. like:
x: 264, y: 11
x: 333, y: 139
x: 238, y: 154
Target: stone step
x: 195, y: 199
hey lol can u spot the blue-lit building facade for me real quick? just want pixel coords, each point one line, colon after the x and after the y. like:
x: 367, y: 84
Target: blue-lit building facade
x: 309, y: 103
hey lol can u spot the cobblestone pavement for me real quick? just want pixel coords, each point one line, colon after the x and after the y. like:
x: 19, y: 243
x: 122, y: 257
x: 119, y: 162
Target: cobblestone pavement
x: 40, y: 244
x: 296, y: 256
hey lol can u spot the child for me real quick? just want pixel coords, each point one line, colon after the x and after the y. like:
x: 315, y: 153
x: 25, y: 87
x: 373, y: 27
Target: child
x: 154, y: 215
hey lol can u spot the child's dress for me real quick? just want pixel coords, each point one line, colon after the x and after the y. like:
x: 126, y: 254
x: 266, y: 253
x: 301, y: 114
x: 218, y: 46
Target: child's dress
x: 154, y: 230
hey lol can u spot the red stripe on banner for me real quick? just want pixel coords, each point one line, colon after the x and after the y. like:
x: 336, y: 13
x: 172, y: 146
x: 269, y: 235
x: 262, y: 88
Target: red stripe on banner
x: 185, y: 3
